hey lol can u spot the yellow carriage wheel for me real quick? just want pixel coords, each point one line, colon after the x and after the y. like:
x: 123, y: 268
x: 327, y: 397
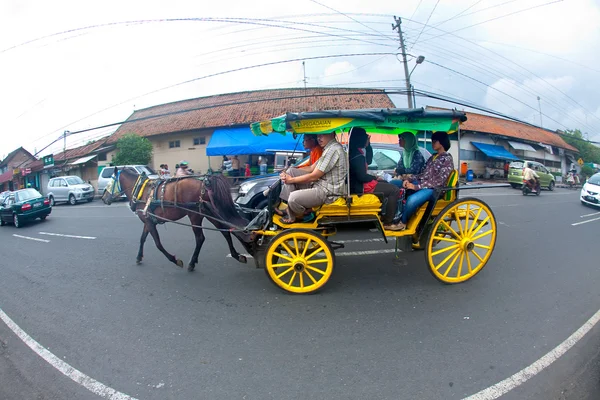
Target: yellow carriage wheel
x: 299, y: 261
x: 461, y: 241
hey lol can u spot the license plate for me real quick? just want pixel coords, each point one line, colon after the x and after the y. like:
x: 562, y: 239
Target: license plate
x: 37, y: 205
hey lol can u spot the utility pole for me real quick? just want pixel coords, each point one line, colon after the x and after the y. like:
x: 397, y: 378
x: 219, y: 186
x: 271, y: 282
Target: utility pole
x: 304, y: 69
x: 403, y: 49
x: 540, y: 106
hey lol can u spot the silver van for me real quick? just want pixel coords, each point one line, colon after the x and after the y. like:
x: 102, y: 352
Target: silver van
x: 107, y: 173
x: 70, y: 189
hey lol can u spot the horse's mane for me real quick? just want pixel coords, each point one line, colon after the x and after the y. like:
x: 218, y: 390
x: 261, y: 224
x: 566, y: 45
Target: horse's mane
x: 221, y: 193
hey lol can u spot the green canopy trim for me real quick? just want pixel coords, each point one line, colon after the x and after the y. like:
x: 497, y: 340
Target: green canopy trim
x: 384, y: 121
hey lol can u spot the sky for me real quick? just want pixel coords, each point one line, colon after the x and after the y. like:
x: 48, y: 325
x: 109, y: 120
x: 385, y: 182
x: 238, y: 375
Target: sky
x: 70, y: 65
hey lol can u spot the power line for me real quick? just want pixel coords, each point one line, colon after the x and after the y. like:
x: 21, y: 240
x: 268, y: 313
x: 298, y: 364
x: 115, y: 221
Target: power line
x: 426, y: 22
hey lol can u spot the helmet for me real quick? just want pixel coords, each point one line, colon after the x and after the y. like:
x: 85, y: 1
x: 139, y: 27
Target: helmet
x: 29, y: 184
x: 183, y: 164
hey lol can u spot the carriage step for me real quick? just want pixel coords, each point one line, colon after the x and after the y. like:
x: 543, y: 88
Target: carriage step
x: 347, y: 219
x: 336, y: 245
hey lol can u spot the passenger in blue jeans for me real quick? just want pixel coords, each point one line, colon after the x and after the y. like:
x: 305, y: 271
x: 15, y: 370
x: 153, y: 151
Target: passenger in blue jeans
x: 435, y: 175
x: 411, y: 160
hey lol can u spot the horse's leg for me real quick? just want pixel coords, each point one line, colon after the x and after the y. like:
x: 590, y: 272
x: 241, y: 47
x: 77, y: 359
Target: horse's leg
x: 234, y: 254
x: 196, y: 220
x: 154, y: 232
x: 140, y: 255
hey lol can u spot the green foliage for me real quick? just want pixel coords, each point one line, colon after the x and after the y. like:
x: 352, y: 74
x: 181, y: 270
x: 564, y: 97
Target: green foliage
x: 587, y: 151
x: 587, y: 171
x: 133, y: 149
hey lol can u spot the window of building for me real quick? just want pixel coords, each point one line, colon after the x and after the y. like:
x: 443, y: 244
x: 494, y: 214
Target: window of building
x: 102, y: 157
x: 174, y: 143
x: 199, y: 140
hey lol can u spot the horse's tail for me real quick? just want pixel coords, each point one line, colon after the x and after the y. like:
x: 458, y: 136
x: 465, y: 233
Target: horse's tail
x: 222, y: 195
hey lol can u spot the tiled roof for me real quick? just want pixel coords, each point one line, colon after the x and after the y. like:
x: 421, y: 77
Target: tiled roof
x: 78, y: 152
x: 247, y: 107
x: 12, y: 154
x: 500, y: 126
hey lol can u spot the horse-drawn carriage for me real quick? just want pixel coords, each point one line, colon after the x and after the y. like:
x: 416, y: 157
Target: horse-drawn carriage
x: 457, y: 235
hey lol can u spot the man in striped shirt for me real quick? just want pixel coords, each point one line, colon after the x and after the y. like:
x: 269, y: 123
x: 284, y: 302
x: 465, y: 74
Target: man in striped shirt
x: 319, y: 184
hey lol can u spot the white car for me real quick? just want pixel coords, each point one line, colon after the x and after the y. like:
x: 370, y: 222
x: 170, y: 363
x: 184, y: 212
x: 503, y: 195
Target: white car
x: 107, y: 173
x: 590, y: 192
x: 70, y: 189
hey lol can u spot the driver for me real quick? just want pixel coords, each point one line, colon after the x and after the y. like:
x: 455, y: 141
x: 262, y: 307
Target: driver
x: 530, y: 176
x: 183, y: 169
x: 318, y: 184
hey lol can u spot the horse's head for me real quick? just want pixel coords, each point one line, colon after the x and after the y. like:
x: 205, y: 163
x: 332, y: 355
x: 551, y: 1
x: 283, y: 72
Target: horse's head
x: 113, y: 188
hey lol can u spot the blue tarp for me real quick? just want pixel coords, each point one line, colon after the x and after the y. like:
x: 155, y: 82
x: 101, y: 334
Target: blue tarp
x: 239, y: 141
x: 494, y: 151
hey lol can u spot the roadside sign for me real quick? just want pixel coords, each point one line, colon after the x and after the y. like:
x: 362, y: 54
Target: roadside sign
x: 580, y: 161
x: 49, y: 161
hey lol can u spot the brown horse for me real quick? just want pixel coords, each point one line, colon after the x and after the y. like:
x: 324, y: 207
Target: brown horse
x: 198, y: 199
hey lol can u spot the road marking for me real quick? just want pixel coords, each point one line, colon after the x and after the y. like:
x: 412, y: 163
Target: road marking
x: 585, y: 222
x: 589, y: 215
x: 77, y: 376
x: 69, y: 236
x: 503, y: 387
x: 344, y: 253
x: 31, y: 238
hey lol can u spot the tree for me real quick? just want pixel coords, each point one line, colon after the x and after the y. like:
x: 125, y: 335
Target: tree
x: 133, y: 149
x: 587, y: 150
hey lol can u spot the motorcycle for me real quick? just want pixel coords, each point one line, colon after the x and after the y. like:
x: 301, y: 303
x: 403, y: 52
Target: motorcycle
x: 572, y: 179
x: 529, y: 188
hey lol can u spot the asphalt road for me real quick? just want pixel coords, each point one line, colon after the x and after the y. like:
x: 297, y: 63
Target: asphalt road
x: 381, y: 329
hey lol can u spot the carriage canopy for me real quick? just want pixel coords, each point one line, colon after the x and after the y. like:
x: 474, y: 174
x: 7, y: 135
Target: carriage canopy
x: 386, y: 121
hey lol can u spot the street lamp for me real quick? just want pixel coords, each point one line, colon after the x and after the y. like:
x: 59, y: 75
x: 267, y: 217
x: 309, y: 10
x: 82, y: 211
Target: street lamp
x: 411, y: 94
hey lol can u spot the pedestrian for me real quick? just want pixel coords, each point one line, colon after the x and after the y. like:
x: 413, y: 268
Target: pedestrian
x: 166, y: 172
x: 183, y: 170
x: 247, y: 172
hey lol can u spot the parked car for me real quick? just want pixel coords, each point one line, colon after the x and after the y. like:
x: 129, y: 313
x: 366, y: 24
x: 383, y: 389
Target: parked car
x: 515, y: 174
x: 4, y: 195
x: 24, y: 205
x: 107, y: 173
x: 590, y: 192
x: 385, y: 158
x: 70, y: 189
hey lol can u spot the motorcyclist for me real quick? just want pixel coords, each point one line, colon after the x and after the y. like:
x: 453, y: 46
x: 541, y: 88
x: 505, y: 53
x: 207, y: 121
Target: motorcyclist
x: 531, y: 178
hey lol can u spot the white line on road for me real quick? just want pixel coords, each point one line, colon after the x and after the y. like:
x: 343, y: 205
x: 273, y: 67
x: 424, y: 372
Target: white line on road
x: 585, y: 222
x: 503, y: 387
x: 345, y: 253
x: 589, y: 215
x: 69, y: 236
x: 30, y: 238
x: 77, y: 376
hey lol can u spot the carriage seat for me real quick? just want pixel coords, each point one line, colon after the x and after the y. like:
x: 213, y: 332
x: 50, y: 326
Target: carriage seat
x: 360, y: 205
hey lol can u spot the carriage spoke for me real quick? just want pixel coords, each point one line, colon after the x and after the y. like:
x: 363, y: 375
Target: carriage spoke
x: 287, y: 264
x: 482, y: 246
x: 445, y: 239
x: 446, y: 259
x: 306, y: 245
x: 469, y: 263
x: 452, y: 263
x: 293, y: 277
x: 285, y: 272
x: 470, y: 231
x: 282, y: 256
x: 435, y: 253
x: 301, y: 276
x: 460, y: 264
x: 290, y: 252
x: 460, y: 228
x: 311, y: 255
x: 322, y: 261
x: 477, y: 255
x: 456, y: 235
x: 310, y: 276
x: 481, y: 225
x: 481, y: 235
x: 467, y: 218
x: 296, y: 246
x: 315, y: 270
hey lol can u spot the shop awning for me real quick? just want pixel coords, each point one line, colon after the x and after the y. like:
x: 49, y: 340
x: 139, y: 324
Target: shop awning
x: 521, y: 146
x: 82, y: 160
x: 494, y: 151
x: 239, y: 141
